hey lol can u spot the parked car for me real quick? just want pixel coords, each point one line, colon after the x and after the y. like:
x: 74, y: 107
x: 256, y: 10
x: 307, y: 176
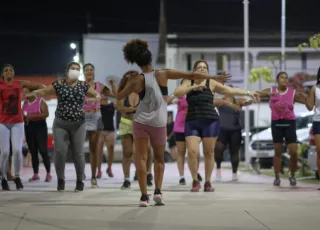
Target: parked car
x: 312, y: 155
x: 261, y: 144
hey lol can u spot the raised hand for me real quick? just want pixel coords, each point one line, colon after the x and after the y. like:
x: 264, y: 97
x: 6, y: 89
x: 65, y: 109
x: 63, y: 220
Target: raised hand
x: 254, y: 95
x: 222, y: 78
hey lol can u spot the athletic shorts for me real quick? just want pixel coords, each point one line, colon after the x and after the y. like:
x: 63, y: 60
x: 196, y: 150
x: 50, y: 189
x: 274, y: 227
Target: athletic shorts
x: 125, y: 127
x: 202, y: 128
x: 156, y: 135
x: 108, y: 136
x: 180, y: 137
x: 316, y: 127
x: 92, y: 121
x: 284, y: 130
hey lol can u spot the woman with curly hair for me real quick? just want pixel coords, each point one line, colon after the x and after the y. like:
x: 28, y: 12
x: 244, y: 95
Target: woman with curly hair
x: 149, y: 121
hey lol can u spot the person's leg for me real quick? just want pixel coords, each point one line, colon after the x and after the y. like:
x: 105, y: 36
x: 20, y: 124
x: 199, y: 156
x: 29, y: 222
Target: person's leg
x: 111, y: 139
x: 234, y: 147
x: 209, y: 134
x: 181, y: 153
x: 100, y: 152
x: 277, y: 137
x: 42, y: 143
x: 141, y: 140
x: 317, y: 140
x: 149, y: 166
x: 291, y: 141
x: 94, y: 138
x: 17, y: 135
x: 61, y: 147
x: 219, y: 149
x: 127, y: 151
x: 78, y: 136
x: 4, y: 156
x: 31, y: 139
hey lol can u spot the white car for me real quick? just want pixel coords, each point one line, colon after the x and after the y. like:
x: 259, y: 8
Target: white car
x: 261, y: 144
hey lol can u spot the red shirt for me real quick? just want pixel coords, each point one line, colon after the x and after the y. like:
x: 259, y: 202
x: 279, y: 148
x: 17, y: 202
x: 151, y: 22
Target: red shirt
x: 10, y: 102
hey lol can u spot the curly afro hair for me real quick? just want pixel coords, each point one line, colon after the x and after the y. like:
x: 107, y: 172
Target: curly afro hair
x: 136, y: 51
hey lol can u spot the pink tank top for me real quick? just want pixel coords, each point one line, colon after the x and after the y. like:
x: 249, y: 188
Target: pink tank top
x: 33, y: 107
x: 92, y: 105
x: 282, y: 105
x: 181, y: 115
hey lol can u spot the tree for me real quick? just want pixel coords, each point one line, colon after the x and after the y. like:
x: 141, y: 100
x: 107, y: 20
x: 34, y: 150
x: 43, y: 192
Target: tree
x: 314, y: 42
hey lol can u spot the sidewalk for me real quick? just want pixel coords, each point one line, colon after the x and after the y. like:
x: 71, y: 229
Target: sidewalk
x: 252, y: 203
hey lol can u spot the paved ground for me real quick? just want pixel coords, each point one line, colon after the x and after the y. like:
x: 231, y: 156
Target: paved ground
x: 250, y: 204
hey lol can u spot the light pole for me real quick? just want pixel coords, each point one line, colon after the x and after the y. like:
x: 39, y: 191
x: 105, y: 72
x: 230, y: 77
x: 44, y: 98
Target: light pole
x: 246, y: 75
x: 283, y: 35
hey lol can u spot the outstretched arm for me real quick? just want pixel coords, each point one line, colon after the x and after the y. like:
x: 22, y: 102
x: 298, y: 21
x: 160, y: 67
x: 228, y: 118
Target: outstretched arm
x: 32, y: 85
x: 311, y: 98
x: 300, y: 97
x: 47, y: 91
x: 243, y: 102
x: 174, y: 75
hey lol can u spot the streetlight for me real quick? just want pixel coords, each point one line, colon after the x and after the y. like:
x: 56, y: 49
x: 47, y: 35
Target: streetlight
x: 73, y: 46
x: 76, y: 58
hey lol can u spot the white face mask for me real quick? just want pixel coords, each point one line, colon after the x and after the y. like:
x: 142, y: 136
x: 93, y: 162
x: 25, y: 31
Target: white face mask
x: 74, y: 74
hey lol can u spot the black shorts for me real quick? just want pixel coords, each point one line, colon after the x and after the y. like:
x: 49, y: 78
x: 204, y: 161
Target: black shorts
x: 316, y: 127
x: 180, y: 137
x: 284, y: 129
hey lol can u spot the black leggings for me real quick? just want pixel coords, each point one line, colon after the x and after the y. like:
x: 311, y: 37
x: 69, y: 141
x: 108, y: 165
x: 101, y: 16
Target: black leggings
x: 233, y: 140
x: 37, y: 139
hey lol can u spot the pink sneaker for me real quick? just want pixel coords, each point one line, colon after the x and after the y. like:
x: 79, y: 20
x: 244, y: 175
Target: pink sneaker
x: 195, y: 186
x: 208, y: 187
x: 35, y: 177
x: 48, y: 177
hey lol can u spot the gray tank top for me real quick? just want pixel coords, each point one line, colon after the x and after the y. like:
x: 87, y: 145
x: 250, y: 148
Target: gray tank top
x: 152, y: 109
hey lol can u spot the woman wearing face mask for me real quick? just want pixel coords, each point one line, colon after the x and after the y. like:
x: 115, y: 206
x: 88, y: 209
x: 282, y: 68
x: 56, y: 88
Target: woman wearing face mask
x: 91, y: 108
x: 69, y: 124
x: 35, y: 112
x: 313, y: 102
x: 283, y: 123
x: 11, y: 123
x: 202, y: 120
x: 150, y: 119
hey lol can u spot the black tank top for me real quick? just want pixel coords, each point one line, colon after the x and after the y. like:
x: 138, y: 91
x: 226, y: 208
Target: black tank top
x: 200, y: 104
x: 229, y: 118
x: 107, y: 114
x: 126, y: 103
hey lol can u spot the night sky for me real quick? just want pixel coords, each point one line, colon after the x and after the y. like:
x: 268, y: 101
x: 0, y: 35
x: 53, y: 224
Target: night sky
x: 36, y: 41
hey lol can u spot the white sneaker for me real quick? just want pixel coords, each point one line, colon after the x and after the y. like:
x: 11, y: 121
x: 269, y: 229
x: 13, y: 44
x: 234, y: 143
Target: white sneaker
x: 157, y: 198
x: 235, y: 177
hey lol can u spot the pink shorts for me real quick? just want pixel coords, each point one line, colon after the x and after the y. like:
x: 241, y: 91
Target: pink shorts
x: 108, y: 136
x: 157, y: 135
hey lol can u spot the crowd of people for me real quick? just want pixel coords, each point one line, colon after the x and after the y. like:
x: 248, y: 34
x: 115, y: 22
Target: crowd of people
x: 84, y: 109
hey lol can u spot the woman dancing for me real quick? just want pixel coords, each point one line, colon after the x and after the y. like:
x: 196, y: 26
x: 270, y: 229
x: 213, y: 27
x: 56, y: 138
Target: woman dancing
x: 150, y: 119
x: 313, y: 102
x: 180, y: 137
x: 230, y: 131
x: 69, y: 128
x: 35, y: 112
x: 91, y: 107
x: 283, y: 123
x: 202, y: 120
x: 11, y: 123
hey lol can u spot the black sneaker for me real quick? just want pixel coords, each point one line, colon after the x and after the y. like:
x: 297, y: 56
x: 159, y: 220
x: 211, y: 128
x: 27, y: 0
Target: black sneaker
x: 144, y: 201
x: 276, y: 182
x: 18, y: 183
x: 5, y: 185
x: 292, y: 181
x: 199, y: 177
x: 61, y: 185
x: 79, y: 186
x: 157, y: 197
x: 126, y: 185
x: 149, y: 180
x: 182, y: 181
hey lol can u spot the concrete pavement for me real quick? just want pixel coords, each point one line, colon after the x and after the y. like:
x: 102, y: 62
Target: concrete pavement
x: 252, y: 203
